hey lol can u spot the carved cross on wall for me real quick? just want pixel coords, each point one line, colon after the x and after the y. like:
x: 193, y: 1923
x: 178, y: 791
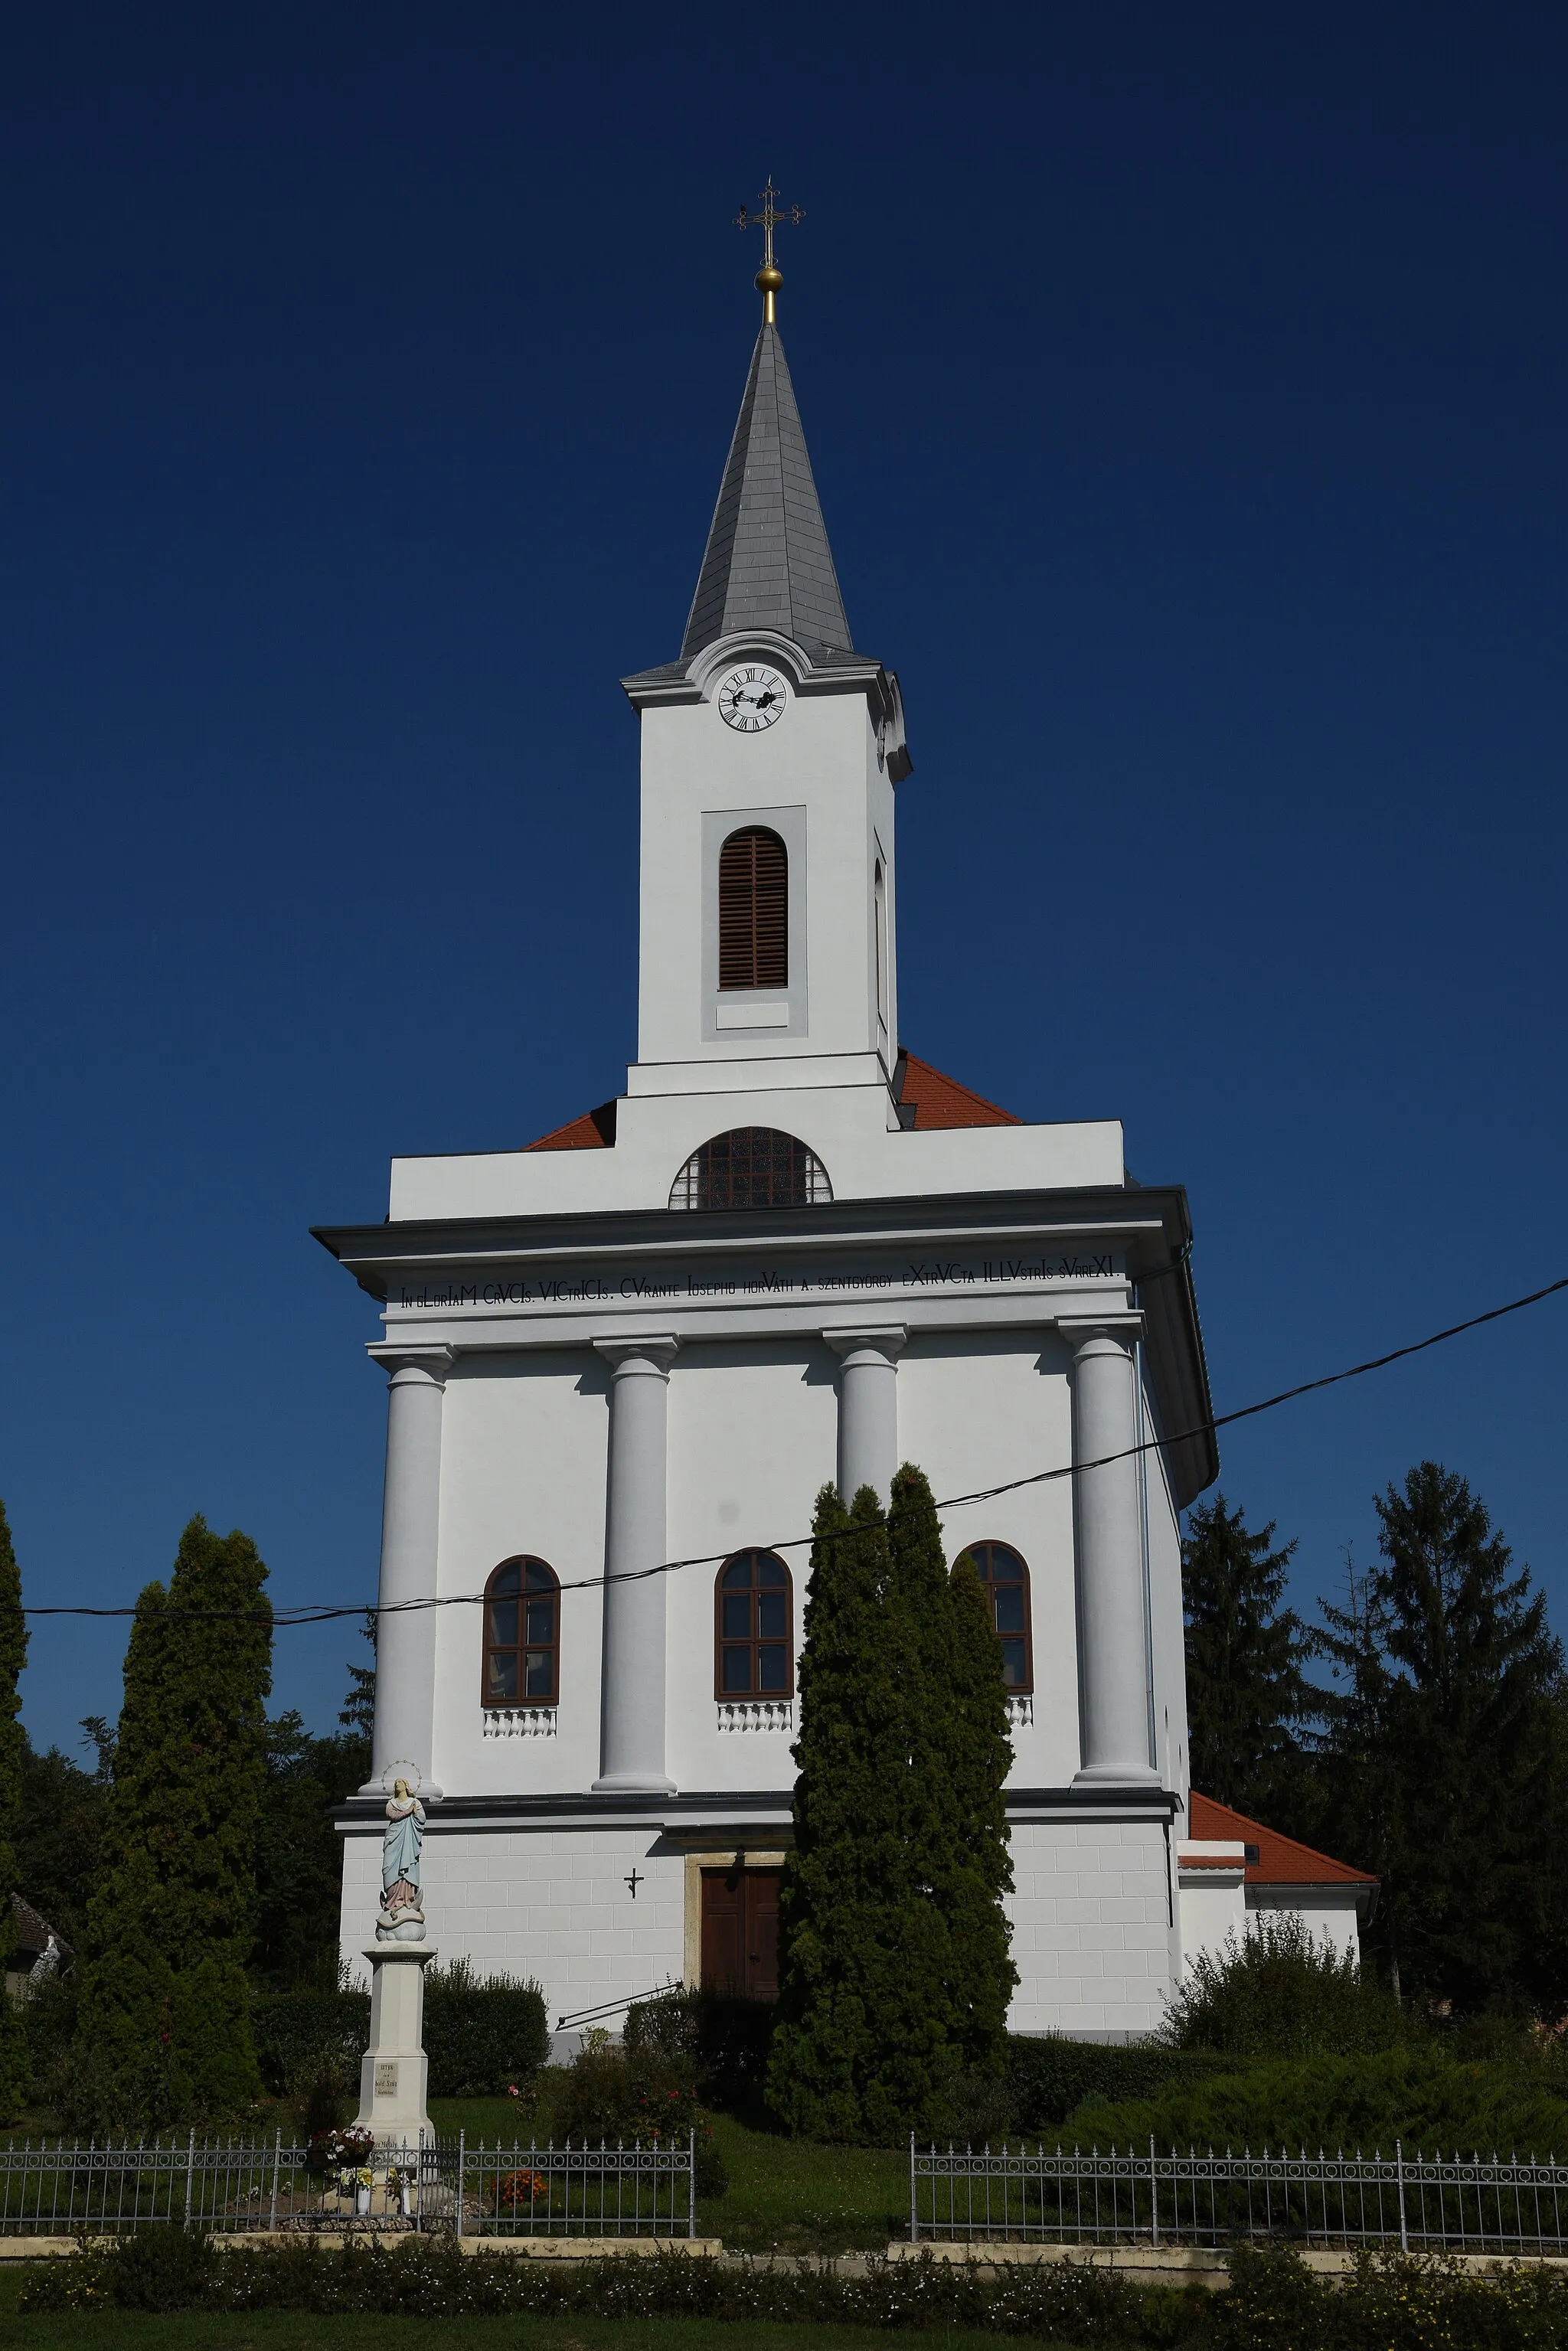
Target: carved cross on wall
x: 635, y: 1880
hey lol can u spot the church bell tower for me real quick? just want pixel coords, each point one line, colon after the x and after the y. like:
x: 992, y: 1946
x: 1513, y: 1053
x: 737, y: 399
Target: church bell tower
x: 770, y: 754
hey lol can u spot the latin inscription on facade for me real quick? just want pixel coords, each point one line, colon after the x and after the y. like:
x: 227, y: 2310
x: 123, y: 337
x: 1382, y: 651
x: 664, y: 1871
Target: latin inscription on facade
x: 677, y: 1286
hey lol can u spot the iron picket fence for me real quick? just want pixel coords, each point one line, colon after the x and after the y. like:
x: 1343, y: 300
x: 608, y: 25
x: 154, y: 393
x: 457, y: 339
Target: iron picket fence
x: 59, y: 2187
x: 1128, y: 2197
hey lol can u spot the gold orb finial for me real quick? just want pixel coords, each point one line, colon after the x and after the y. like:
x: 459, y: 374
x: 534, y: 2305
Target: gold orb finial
x: 770, y: 213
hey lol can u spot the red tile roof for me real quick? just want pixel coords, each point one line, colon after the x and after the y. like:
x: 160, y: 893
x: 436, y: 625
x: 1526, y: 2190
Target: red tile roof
x: 594, y: 1131
x: 1281, y: 1860
x: 937, y: 1100
x: 942, y: 1102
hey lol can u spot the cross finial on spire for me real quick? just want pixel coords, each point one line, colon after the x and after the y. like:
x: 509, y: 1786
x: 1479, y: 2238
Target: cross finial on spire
x: 770, y: 213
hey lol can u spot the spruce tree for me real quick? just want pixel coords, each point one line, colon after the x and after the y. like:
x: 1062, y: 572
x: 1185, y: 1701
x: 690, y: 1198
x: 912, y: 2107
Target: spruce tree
x: 164, y: 2022
x: 959, y: 1756
x: 860, y: 2049
x: 1245, y: 1691
x: 13, y: 1751
x: 1459, y: 1689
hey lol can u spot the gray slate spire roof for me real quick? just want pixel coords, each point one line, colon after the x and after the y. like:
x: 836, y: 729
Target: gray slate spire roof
x: 768, y: 565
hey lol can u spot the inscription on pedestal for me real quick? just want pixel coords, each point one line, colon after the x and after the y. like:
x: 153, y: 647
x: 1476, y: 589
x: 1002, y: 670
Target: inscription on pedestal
x: 386, y: 2081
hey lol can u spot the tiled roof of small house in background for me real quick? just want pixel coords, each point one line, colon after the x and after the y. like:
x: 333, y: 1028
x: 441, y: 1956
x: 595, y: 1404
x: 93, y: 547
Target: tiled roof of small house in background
x: 941, y: 1100
x: 937, y: 1100
x: 594, y: 1131
x: 1281, y: 1860
x: 32, y: 1928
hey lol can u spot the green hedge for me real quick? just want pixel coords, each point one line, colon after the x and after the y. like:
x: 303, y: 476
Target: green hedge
x: 1423, y: 2097
x: 294, y: 2029
x: 1274, y: 2302
x: 481, y: 2034
x: 1049, y: 2076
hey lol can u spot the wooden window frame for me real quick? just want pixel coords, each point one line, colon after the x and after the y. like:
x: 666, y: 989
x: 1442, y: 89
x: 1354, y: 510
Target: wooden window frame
x: 1026, y: 1687
x: 522, y: 1647
x: 722, y: 1641
x: 753, y: 909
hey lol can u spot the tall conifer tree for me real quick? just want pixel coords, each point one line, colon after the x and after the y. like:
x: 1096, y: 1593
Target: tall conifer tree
x: 164, y: 2020
x: 1448, y: 1712
x: 981, y: 1756
x: 13, y: 1749
x: 1245, y: 1691
x: 861, y: 2050
x: 958, y: 1757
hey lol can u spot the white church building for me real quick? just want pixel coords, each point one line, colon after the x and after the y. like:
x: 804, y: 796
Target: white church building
x: 623, y: 1358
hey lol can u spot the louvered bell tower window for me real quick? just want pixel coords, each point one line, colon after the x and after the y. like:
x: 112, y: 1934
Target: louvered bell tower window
x: 751, y: 1167
x: 754, y: 910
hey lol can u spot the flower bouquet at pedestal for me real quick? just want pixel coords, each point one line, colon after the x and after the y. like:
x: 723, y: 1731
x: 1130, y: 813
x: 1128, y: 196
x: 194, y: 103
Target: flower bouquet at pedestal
x: 400, y: 2184
x: 343, y: 2148
x: 358, y: 2182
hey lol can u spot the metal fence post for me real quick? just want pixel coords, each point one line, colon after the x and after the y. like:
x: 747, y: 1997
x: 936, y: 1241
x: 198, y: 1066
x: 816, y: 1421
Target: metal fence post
x: 914, y: 2208
x: 190, y: 2175
x: 692, y: 2184
x: 462, y: 2165
x: 1399, y: 2176
x: 276, y: 2168
x: 1154, y: 2193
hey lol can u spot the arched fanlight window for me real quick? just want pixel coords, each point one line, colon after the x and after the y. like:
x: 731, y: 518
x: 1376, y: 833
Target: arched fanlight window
x: 1004, y: 1579
x: 522, y: 1634
x: 754, y: 910
x: 754, y: 1653
x: 751, y: 1167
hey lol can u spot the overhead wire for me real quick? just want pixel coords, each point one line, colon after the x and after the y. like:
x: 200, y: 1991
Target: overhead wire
x: 329, y: 1613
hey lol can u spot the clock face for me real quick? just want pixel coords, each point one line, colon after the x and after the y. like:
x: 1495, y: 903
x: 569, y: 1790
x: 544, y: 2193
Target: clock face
x: 751, y: 698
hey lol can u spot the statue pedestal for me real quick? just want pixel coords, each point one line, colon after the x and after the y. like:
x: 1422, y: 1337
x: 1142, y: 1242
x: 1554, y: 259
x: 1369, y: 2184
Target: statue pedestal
x: 395, y: 2071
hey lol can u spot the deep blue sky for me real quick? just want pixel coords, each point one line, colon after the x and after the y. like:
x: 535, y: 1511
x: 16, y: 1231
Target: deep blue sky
x: 1186, y: 388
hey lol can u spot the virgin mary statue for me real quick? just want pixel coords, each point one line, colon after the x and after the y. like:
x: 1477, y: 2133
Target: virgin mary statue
x: 401, y: 1917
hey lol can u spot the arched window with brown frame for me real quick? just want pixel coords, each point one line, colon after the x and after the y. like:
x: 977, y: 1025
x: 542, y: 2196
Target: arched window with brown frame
x: 751, y: 1167
x: 1004, y: 1579
x: 754, y: 1647
x: 754, y: 910
x: 522, y: 1634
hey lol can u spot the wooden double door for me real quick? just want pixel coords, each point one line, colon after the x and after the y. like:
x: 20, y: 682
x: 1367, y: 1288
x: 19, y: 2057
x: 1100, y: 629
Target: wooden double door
x: 740, y: 1932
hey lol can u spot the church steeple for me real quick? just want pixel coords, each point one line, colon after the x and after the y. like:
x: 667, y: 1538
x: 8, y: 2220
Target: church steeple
x: 768, y: 564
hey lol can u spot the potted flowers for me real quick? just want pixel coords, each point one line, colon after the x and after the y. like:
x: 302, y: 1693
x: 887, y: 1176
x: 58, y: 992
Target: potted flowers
x: 399, y: 2190
x: 358, y: 2183
x: 340, y: 2150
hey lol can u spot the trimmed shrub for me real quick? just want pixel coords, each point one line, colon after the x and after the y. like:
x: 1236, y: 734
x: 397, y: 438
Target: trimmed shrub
x: 1278, y: 1993
x: 633, y: 2098
x: 1421, y: 2096
x: 298, y: 2032
x: 427, y: 2279
x: 1049, y: 2076
x: 482, y: 2034
x: 724, y: 2040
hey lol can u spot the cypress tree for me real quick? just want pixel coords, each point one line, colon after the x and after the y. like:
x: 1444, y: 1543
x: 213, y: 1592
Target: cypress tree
x: 13, y: 1751
x: 959, y: 1754
x: 164, y: 2020
x: 1245, y: 1690
x: 860, y: 2048
x: 980, y: 1756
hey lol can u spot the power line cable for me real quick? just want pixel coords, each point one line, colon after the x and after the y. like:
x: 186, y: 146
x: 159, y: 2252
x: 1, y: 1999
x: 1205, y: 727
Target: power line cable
x: 325, y: 1613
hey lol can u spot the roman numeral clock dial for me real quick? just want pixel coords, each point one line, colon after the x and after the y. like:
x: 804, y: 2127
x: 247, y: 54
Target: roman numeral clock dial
x: 750, y: 699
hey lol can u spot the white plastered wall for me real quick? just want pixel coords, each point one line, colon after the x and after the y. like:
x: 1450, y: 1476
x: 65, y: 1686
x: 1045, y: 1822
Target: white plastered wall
x: 975, y: 1407
x: 525, y: 1444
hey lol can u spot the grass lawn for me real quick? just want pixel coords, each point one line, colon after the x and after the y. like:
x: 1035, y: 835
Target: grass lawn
x: 784, y: 2195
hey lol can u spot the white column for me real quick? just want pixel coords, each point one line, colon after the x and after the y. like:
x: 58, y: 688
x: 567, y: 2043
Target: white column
x: 1114, y: 1666
x: 868, y: 1408
x: 394, y: 2073
x: 403, y: 1741
x: 631, y: 1720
